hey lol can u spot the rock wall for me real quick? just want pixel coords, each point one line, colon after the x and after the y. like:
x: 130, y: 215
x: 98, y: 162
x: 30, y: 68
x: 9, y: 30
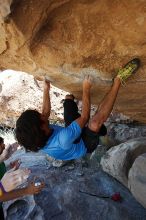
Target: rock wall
x: 20, y: 91
x: 137, y: 179
x: 73, y: 191
x: 127, y: 163
x: 69, y: 39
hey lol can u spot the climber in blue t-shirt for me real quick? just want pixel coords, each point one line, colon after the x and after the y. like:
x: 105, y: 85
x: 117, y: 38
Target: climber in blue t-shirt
x: 80, y: 134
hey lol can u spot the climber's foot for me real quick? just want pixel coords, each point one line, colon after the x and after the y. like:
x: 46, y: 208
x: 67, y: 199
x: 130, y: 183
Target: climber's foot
x: 130, y: 68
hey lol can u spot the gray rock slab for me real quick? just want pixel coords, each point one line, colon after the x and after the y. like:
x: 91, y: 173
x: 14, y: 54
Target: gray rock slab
x: 73, y: 192
x: 119, y: 159
x: 137, y: 179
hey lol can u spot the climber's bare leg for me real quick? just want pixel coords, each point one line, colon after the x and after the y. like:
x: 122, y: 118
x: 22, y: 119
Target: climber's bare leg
x: 105, y: 107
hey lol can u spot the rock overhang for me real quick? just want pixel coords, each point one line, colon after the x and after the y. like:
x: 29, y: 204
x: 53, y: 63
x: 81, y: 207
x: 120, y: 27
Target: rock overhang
x: 68, y: 39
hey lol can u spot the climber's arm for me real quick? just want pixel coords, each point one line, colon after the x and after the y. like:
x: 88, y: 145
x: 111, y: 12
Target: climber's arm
x: 13, y: 195
x: 85, y: 115
x: 29, y: 190
x: 46, y: 109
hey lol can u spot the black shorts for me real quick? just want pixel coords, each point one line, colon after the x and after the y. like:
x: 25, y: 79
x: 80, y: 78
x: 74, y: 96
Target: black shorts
x: 70, y: 111
x: 90, y: 138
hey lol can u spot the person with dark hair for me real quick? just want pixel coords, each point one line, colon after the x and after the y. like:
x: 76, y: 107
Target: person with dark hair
x: 29, y: 130
x: 80, y: 135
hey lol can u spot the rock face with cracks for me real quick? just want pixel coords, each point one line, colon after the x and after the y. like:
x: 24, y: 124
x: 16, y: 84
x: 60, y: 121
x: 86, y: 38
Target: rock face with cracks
x: 68, y: 39
x: 137, y: 179
x: 127, y: 163
x: 20, y: 91
x: 73, y: 191
x: 119, y: 159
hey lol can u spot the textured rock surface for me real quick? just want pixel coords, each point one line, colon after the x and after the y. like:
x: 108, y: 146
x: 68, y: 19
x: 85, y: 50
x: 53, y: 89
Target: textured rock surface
x: 19, y: 91
x: 72, y: 192
x: 118, y: 160
x: 122, y: 131
x: 68, y: 39
x: 137, y: 179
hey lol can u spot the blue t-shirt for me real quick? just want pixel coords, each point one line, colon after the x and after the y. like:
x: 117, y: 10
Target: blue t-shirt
x: 60, y: 144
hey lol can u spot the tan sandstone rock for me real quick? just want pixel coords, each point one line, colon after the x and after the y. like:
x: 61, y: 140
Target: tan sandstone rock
x: 118, y: 160
x: 137, y: 179
x: 68, y: 39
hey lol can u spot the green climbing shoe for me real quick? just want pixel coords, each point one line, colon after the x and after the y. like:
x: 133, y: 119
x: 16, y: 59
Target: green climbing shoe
x: 130, y: 68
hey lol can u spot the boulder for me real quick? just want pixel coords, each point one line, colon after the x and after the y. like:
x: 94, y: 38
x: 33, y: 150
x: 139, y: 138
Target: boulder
x: 66, y: 40
x: 122, y: 131
x: 119, y: 159
x: 19, y: 91
x: 72, y: 191
x: 137, y: 179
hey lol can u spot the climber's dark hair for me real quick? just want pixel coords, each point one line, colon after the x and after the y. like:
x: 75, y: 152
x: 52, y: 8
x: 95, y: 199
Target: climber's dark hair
x: 1, y: 140
x: 28, y: 131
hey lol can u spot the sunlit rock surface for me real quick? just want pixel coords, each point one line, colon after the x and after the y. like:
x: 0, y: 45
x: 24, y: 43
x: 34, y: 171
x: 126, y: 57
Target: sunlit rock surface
x: 20, y: 91
x: 127, y: 163
x: 69, y: 39
x: 118, y: 160
x: 137, y: 179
